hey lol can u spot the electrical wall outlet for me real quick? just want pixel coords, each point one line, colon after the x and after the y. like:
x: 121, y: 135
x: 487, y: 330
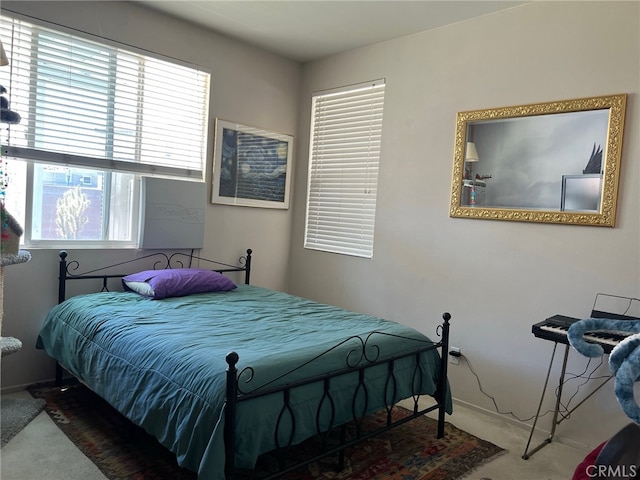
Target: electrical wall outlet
x: 454, y: 355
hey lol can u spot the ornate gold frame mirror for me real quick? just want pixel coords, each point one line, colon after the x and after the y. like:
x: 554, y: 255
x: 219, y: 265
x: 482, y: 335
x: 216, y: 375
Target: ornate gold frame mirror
x: 554, y: 162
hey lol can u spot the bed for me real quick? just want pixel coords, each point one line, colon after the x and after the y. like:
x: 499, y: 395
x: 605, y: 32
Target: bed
x: 223, y: 377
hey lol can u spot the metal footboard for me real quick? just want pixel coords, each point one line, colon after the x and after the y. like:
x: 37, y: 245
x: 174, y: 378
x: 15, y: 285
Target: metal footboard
x: 235, y: 395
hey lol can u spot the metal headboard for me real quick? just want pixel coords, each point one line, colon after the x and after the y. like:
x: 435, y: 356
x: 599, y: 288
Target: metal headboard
x: 162, y: 260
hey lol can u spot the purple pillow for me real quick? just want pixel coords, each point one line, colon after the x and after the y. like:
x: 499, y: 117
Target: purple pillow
x: 176, y: 282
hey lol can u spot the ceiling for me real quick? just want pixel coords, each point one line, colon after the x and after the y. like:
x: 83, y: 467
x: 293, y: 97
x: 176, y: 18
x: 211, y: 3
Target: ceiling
x: 305, y: 30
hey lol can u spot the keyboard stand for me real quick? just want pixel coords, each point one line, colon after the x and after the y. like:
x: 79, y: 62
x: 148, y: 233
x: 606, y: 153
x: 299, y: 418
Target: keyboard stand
x: 556, y: 413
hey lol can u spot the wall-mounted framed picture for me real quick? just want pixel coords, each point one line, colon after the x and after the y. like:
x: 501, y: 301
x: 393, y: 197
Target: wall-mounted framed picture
x: 251, y: 166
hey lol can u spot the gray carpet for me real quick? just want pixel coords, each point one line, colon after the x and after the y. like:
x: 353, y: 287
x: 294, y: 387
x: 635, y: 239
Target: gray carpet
x: 16, y: 413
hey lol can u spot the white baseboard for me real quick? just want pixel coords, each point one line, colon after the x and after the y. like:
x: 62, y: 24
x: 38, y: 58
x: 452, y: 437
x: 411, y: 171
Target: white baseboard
x: 19, y: 388
x: 14, y: 388
x: 539, y: 434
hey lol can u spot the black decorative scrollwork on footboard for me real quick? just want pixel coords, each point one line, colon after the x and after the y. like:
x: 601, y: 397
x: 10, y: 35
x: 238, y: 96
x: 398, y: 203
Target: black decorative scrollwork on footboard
x: 367, y: 355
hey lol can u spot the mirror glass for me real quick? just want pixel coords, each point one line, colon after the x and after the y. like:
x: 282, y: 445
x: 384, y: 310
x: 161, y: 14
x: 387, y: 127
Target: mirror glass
x: 554, y: 162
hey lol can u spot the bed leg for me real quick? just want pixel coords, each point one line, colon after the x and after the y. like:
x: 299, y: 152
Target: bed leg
x: 343, y: 437
x: 230, y: 414
x: 442, y: 383
x: 58, y: 374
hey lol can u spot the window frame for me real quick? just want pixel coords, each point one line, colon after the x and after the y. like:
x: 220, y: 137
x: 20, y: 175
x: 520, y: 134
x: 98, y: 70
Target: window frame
x: 27, y: 240
x: 107, y: 165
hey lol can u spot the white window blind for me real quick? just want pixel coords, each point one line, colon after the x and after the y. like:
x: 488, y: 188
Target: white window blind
x: 97, y: 105
x: 346, y: 130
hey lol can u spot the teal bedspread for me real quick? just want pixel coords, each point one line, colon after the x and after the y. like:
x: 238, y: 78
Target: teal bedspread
x: 161, y: 363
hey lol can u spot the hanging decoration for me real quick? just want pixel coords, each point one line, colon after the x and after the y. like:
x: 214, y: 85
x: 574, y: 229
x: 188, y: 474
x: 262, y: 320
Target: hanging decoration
x: 10, y: 117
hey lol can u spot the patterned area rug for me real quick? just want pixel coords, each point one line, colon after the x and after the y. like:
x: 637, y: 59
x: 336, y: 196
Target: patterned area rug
x: 123, y: 451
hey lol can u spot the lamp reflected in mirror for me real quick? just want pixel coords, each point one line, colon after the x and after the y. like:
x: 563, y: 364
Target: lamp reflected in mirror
x: 470, y: 156
x: 469, y: 184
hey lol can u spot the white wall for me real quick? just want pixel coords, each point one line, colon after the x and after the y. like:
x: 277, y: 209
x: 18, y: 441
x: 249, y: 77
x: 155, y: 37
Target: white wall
x: 248, y: 85
x: 496, y: 278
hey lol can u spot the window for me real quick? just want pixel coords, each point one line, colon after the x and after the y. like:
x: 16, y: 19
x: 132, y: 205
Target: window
x: 95, y: 118
x: 346, y: 130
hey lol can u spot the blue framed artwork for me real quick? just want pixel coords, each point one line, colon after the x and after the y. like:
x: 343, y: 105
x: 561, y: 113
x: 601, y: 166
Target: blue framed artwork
x: 251, y: 166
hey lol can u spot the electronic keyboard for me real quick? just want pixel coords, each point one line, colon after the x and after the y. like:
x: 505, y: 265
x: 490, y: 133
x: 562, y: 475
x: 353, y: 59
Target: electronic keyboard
x: 555, y: 329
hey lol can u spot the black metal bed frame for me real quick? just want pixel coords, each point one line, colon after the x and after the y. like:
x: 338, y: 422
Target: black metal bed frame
x: 358, y: 362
